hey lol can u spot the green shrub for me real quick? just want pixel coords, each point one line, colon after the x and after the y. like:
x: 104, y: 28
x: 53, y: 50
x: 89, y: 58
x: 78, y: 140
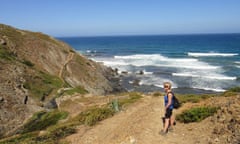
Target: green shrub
x: 28, y: 63
x: 196, y: 114
x: 42, y: 120
x: 21, y: 139
x: 231, y: 92
x: 54, y: 135
x: 234, y: 89
x: 62, y: 131
x: 94, y: 115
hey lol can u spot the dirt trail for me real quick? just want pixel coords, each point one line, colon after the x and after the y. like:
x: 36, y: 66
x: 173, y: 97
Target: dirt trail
x: 60, y: 74
x: 69, y: 58
x: 140, y: 123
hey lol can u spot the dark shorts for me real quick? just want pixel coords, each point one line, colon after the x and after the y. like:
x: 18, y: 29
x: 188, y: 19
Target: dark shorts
x: 168, y: 113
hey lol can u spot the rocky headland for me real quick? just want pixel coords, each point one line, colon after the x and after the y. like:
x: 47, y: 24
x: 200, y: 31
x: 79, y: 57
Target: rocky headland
x: 36, y: 68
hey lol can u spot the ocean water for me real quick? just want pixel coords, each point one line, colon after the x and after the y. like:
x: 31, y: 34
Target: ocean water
x: 192, y: 63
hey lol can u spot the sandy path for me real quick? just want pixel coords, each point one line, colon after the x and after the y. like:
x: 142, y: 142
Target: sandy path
x: 140, y: 124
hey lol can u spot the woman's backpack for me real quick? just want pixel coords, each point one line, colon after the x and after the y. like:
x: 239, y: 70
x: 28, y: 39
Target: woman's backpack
x: 176, y: 103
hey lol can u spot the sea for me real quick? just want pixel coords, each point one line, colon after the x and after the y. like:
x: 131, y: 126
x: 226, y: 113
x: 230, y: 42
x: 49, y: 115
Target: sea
x: 197, y: 63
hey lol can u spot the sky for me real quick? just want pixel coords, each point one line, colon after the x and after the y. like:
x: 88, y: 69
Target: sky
x: 122, y: 17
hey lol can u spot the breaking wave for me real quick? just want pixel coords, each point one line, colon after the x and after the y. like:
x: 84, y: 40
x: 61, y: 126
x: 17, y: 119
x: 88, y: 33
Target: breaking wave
x: 217, y: 77
x: 211, y: 54
x: 162, y: 61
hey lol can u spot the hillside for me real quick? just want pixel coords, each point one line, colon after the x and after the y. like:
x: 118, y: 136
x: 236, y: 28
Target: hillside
x: 36, y: 68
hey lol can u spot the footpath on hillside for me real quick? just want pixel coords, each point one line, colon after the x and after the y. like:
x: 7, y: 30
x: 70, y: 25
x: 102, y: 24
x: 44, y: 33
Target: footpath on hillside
x: 60, y: 74
x: 140, y: 123
x: 69, y: 58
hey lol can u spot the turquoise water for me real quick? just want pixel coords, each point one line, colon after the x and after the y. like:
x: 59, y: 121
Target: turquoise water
x: 193, y: 63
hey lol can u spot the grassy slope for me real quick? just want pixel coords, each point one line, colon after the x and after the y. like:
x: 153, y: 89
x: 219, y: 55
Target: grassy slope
x: 55, y: 130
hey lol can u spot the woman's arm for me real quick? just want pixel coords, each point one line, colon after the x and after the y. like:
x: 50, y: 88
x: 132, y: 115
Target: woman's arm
x: 169, y: 100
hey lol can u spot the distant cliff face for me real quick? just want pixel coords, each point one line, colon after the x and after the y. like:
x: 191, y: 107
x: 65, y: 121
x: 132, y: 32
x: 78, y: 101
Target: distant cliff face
x: 34, y: 67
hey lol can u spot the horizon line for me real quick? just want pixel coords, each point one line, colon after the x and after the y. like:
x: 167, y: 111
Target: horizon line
x: 133, y: 35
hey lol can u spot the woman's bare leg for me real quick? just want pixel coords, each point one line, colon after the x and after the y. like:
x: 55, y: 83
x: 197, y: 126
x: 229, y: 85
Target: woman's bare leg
x: 166, y: 124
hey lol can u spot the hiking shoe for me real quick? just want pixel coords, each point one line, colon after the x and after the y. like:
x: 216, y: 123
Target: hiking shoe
x: 162, y: 133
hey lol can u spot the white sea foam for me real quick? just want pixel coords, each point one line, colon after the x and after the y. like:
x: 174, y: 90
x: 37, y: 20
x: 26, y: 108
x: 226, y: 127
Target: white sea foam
x: 211, y: 89
x: 114, y: 63
x: 131, y: 82
x: 211, y: 54
x: 197, y: 66
x: 110, y: 62
x: 91, y: 51
x: 216, y: 76
x: 147, y: 73
x: 237, y: 62
x: 156, y: 81
x: 161, y: 61
x: 154, y: 57
x: 199, y: 87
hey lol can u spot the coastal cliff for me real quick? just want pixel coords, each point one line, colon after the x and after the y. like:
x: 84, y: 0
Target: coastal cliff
x: 36, y: 68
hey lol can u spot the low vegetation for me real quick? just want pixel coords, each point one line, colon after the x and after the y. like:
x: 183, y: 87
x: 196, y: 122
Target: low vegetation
x: 132, y: 97
x: 94, y: 115
x: 199, y: 113
x: 231, y: 92
x: 196, y: 114
x: 78, y: 89
x: 4, y: 54
x: 193, y: 98
x: 49, y: 137
x: 234, y: 89
x: 42, y: 85
x: 42, y: 120
x: 28, y: 63
x: 54, y: 131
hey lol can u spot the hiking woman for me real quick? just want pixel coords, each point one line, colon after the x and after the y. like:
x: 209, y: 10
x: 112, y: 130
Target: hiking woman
x: 168, y: 103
